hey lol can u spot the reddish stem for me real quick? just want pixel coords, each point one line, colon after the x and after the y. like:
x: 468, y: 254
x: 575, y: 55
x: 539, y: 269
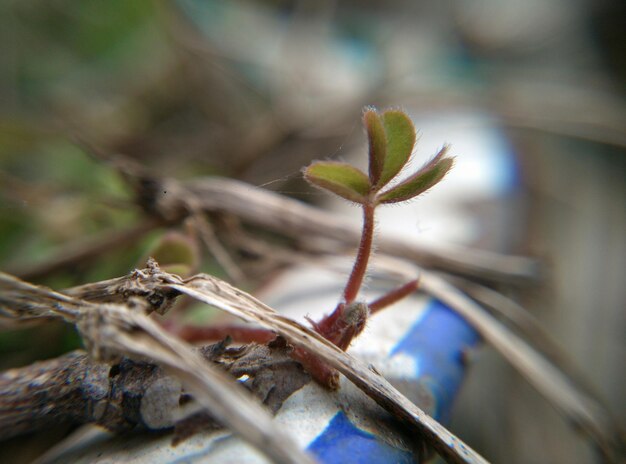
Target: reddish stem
x: 340, y: 327
x: 360, y: 264
x: 319, y: 370
x: 394, y: 295
x: 239, y: 334
x: 337, y: 326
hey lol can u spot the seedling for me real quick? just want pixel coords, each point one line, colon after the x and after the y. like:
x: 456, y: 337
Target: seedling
x: 391, y: 137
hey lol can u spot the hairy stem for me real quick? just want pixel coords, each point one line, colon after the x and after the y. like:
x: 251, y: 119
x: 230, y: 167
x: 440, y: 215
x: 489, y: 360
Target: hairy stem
x: 239, y: 334
x: 365, y: 248
x: 394, y: 295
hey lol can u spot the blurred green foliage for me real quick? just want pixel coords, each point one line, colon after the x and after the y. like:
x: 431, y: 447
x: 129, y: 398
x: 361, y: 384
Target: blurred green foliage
x: 51, y: 42
x: 60, y: 63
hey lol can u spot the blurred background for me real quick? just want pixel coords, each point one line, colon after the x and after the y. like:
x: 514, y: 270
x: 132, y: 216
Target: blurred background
x: 254, y: 90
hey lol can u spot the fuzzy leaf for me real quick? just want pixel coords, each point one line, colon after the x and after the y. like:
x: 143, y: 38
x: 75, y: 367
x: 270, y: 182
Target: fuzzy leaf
x: 422, y: 180
x: 400, y: 137
x: 377, y: 143
x: 340, y: 178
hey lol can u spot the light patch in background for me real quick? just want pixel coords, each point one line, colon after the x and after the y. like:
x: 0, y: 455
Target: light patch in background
x: 485, y: 168
x: 484, y: 164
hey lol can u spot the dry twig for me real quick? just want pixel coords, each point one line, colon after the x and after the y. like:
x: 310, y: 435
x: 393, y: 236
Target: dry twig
x: 578, y: 407
x: 113, y: 329
x: 170, y: 201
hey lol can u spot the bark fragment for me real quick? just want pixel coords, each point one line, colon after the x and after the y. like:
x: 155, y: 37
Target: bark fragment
x: 132, y: 394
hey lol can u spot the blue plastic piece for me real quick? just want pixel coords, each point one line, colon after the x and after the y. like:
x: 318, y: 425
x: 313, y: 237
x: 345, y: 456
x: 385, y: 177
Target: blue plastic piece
x: 437, y: 342
x: 344, y: 443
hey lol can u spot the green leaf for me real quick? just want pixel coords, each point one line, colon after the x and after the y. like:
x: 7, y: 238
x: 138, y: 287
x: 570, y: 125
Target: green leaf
x: 340, y: 178
x: 400, y: 136
x: 176, y: 253
x: 422, y: 180
x: 377, y: 143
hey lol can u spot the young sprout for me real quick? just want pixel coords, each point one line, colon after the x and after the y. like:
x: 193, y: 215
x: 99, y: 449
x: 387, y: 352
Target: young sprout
x: 391, y: 137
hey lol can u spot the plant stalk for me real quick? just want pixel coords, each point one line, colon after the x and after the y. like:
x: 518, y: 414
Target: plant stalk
x: 393, y: 296
x: 363, y: 254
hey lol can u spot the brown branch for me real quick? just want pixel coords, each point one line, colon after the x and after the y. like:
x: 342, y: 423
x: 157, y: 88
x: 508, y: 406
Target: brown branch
x: 207, y: 234
x: 169, y: 201
x: 130, y: 394
x: 296, y: 219
x: 110, y: 331
x: 47, y: 393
